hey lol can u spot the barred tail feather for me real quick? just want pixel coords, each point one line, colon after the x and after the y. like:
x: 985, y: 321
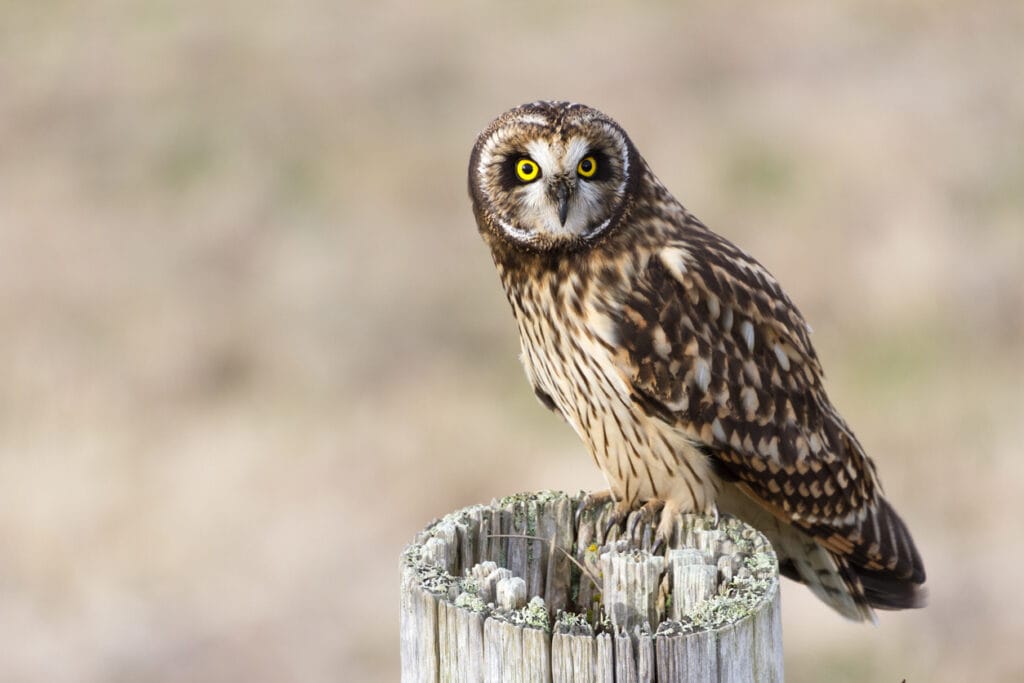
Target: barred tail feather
x: 886, y: 592
x: 897, y: 583
x: 843, y: 580
x: 828, y: 576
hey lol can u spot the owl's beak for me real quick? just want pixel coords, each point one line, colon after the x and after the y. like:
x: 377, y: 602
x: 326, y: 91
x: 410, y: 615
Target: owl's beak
x: 562, y: 195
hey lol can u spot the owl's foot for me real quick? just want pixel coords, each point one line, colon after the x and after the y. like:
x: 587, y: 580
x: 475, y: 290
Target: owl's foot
x: 592, y: 500
x: 644, y: 515
x: 666, y: 526
x: 596, y: 500
x: 669, y: 519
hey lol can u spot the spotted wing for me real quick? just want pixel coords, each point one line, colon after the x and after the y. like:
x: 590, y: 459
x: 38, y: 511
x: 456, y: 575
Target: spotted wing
x: 712, y: 344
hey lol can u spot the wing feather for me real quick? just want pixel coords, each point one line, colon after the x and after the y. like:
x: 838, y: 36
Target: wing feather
x: 710, y: 340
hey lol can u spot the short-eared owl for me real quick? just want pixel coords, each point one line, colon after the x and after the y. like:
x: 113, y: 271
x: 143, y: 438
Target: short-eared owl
x: 677, y: 358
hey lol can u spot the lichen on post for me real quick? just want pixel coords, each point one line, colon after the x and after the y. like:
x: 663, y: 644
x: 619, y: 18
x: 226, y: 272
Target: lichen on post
x: 520, y: 590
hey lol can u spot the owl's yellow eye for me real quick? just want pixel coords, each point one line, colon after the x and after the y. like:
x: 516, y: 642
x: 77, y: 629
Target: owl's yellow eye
x: 587, y: 167
x: 527, y: 170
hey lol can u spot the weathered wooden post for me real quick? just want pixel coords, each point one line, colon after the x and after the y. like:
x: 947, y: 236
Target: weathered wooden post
x: 489, y: 593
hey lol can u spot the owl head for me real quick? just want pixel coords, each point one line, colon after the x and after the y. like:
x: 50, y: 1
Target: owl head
x: 551, y: 176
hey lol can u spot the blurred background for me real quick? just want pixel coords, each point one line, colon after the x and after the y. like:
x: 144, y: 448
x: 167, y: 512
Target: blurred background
x: 251, y: 342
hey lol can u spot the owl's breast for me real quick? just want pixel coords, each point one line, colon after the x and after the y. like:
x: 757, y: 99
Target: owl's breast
x: 569, y: 352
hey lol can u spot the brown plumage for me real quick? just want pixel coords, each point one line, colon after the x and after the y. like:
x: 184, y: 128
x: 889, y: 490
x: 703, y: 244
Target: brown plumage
x: 677, y: 358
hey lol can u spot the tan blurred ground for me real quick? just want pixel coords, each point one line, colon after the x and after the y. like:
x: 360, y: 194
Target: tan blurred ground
x: 251, y: 341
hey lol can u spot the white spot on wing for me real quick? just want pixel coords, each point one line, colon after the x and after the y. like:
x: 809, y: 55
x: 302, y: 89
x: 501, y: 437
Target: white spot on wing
x: 750, y: 402
x: 701, y: 374
x: 781, y: 355
x: 717, y: 430
x: 815, y: 443
x: 769, y: 448
x: 747, y: 330
x: 674, y: 259
x: 727, y: 319
x: 661, y: 345
x: 713, y: 307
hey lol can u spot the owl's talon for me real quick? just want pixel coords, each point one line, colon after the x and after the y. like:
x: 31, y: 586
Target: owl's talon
x: 667, y: 526
x: 633, y: 522
x: 613, y: 522
x: 592, y: 500
x: 616, y: 517
x: 645, y: 514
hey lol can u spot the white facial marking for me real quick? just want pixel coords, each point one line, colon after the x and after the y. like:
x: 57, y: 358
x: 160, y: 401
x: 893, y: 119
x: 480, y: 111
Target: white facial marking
x: 535, y: 216
x: 533, y: 118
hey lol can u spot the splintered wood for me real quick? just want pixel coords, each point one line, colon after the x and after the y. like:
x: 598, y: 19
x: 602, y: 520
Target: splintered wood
x: 521, y: 590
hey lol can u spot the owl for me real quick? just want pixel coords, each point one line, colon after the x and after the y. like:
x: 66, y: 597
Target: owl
x: 677, y: 358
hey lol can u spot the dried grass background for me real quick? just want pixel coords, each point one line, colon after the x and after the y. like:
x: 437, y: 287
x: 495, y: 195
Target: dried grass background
x: 251, y: 341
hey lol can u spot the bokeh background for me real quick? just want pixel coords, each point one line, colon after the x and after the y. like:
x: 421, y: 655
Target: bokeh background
x: 250, y: 341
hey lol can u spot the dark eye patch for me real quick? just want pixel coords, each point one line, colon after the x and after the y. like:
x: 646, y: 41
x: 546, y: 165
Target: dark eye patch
x: 604, y: 167
x: 507, y: 176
